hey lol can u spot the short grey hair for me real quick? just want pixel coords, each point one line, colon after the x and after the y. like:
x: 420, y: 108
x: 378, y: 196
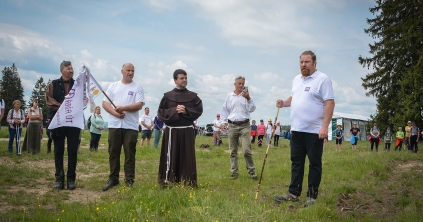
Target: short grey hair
x: 239, y: 77
x: 64, y: 64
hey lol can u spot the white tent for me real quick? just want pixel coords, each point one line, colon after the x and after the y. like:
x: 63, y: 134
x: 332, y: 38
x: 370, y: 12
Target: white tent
x: 346, y: 120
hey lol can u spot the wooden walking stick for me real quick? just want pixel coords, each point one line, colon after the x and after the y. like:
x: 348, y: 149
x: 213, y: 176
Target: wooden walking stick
x: 265, y: 157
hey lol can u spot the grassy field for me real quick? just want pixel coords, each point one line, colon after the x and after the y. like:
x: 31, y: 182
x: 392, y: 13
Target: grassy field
x: 356, y: 186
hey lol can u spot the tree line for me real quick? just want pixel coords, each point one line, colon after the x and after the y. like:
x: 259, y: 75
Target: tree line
x: 13, y: 90
x: 396, y: 64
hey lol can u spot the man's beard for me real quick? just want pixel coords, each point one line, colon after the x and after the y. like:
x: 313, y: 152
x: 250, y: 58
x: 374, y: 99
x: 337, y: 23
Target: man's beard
x: 305, y: 72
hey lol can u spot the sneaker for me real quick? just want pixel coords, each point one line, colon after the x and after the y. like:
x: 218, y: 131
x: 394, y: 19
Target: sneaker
x: 234, y: 176
x: 285, y: 197
x: 309, y: 202
x: 254, y: 176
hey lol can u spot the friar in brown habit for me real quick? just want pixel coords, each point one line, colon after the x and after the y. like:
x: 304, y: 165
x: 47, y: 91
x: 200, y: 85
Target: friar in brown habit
x: 178, y: 109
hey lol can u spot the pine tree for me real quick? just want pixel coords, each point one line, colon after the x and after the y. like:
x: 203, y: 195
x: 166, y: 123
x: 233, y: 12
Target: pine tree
x: 39, y: 92
x: 396, y: 65
x: 11, y: 83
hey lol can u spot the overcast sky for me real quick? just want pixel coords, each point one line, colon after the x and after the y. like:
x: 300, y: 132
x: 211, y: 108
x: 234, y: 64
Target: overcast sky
x: 214, y: 41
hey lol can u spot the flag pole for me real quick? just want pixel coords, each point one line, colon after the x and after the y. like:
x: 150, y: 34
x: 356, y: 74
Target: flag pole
x: 96, y: 83
x: 265, y: 157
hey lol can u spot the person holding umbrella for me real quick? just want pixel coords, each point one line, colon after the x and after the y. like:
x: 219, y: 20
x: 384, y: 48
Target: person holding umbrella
x: 15, y: 118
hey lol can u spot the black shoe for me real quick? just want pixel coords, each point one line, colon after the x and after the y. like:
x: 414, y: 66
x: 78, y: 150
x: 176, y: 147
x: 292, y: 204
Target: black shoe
x: 111, y: 184
x: 59, y: 186
x: 129, y: 183
x: 71, y: 185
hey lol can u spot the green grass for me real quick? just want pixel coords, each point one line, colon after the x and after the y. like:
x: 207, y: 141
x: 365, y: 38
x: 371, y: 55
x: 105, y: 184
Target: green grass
x: 389, y: 184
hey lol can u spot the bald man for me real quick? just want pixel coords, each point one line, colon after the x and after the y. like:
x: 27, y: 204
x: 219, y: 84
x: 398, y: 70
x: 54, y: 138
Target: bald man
x: 128, y: 97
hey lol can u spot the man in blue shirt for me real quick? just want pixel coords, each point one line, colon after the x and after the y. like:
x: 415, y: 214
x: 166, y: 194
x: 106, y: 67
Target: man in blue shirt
x: 158, y: 126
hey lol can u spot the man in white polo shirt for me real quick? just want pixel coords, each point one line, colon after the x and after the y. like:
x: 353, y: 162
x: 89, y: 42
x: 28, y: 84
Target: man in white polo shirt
x: 312, y: 103
x: 236, y: 111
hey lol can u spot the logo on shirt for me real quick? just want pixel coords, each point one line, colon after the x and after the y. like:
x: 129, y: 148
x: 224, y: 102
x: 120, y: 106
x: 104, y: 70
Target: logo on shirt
x: 307, y: 89
x: 130, y: 93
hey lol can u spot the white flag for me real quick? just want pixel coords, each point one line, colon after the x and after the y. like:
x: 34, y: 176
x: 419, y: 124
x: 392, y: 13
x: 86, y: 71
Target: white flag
x: 94, y: 90
x: 71, y: 112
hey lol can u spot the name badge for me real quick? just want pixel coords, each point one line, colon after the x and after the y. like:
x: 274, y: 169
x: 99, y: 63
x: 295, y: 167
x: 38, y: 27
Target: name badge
x: 307, y: 89
x: 130, y: 93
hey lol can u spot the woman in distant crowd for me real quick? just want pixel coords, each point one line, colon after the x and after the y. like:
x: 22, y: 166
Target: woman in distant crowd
x: 261, y: 129
x: 32, y: 141
x: 269, y: 128
x: 97, y: 124
x: 253, y: 132
x: 375, y: 134
x: 15, y: 118
x: 277, y: 133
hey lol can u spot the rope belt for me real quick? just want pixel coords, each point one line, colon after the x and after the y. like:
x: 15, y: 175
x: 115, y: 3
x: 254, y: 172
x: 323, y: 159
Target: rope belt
x: 169, y: 146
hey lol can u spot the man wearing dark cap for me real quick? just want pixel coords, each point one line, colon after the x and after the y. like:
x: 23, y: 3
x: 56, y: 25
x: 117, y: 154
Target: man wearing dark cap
x: 414, y: 137
x: 178, y: 109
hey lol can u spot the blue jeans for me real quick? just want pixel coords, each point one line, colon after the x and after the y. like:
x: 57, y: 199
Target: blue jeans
x: 157, y: 135
x: 12, y: 134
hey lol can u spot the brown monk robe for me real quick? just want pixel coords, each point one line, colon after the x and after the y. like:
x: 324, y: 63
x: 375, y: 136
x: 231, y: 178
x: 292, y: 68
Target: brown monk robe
x: 182, y: 167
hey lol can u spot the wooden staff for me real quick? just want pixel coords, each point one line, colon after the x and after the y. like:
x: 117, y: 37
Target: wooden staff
x: 265, y: 157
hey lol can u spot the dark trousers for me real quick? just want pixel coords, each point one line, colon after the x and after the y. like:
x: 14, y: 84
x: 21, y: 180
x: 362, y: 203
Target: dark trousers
x: 127, y: 138
x: 302, y: 145
x: 374, y: 141
x: 276, y: 140
x: 388, y: 146
x: 253, y: 140
x: 260, y: 139
x: 95, y: 138
x: 413, y: 143
x: 59, y: 135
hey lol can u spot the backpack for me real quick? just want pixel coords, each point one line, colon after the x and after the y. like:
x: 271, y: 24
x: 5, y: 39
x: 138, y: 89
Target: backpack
x: 11, y: 113
x: 89, y: 122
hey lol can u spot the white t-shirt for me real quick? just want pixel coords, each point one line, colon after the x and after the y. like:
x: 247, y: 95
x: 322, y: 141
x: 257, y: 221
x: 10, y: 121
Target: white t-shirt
x: 269, y: 129
x: 147, y: 120
x: 278, y: 130
x: 2, y: 106
x: 218, y: 123
x: 308, y: 101
x: 122, y: 95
